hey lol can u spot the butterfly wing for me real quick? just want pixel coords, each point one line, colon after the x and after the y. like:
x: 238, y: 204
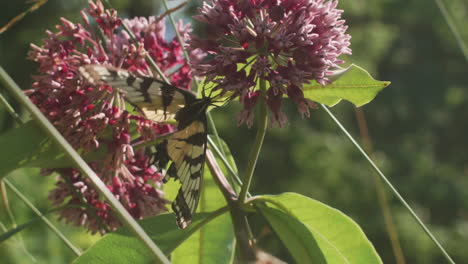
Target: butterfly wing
x: 157, y: 100
x: 186, y: 148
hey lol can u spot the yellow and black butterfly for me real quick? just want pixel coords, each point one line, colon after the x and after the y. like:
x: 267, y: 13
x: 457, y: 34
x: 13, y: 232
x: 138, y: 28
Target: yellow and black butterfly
x: 185, y: 148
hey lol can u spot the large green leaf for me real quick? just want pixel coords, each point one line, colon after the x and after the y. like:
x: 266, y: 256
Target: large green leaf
x: 214, y: 243
x: 123, y: 247
x: 295, y: 235
x: 353, y: 84
x: 307, y: 226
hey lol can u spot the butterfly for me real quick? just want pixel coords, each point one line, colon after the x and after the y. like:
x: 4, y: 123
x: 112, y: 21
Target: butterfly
x: 185, y: 148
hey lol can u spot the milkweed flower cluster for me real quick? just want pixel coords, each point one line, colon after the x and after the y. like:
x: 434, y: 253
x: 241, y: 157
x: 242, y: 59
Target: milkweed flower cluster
x: 94, y: 117
x: 285, y: 43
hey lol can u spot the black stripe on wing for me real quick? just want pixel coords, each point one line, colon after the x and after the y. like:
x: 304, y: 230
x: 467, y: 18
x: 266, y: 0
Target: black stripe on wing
x: 157, y: 100
x: 186, y: 149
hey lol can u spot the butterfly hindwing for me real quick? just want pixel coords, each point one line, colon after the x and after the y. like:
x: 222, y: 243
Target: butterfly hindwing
x: 185, y: 148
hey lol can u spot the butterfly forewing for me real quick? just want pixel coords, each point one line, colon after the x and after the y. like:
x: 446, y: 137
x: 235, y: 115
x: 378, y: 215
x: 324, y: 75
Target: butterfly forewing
x: 157, y: 100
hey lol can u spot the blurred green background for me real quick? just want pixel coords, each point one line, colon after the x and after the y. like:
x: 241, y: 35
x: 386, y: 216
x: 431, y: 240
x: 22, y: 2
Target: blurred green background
x: 418, y: 126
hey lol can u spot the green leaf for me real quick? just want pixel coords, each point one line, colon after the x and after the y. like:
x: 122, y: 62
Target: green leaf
x: 227, y: 154
x: 295, y: 235
x: 307, y: 226
x: 21, y: 227
x: 123, y: 247
x: 208, y: 245
x: 12, y: 232
x: 28, y: 146
x: 353, y: 84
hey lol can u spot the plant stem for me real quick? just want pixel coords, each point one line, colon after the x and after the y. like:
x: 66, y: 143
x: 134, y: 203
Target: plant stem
x: 215, y: 132
x: 453, y: 28
x: 257, y: 145
x: 381, y: 194
x: 231, y: 170
x: 25, y: 200
x: 179, y: 38
x: 79, y: 163
x: 205, y: 221
x: 390, y: 185
x: 219, y: 178
x: 239, y: 219
x: 6, y: 204
x: 148, y: 57
x: 242, y: 230
x: 10, y: 110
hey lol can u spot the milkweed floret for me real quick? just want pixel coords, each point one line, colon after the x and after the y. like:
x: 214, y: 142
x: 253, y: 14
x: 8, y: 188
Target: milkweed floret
x: 93, y: 116
x: 286, y: 43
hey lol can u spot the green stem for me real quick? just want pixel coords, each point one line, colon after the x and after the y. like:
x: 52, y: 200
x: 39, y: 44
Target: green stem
x: 242, y: 231
x: 219, y: 178
x: 10, y: 110
x: 12, y: 218
x: 6, y: 204
x: 26, y: 201
x: 148, y: 57
x: 453, y: 28
x: 231, y: 170
x: 79, y: 163
x: 239, y: 220
x: 205, y: 221
x: 257, y: 145
x: 179, y: 38
x: 390, y: 185
x: 381, y: 193
x: 215, y: 132
x: 223, y: 159
x: 18, y: 241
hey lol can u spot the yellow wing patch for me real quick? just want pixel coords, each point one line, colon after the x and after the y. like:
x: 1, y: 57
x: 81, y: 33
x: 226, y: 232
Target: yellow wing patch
x: 157, y: 100
x: 186, y: 149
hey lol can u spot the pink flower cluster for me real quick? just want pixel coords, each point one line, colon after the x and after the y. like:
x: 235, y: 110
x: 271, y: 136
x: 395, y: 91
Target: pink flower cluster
x: 285, y: 43
x: 279, y: 44
x: 94, y: 117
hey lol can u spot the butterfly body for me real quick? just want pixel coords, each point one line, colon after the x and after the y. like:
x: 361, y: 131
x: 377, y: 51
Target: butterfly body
x: 186, y: 147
